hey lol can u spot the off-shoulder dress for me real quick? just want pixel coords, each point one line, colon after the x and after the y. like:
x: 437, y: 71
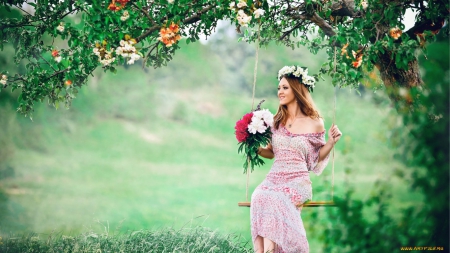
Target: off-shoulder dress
x: 275, y: 211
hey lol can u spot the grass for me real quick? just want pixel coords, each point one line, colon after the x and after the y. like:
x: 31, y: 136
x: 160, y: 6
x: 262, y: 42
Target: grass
x: 140, y: 153
x: 186, y: 240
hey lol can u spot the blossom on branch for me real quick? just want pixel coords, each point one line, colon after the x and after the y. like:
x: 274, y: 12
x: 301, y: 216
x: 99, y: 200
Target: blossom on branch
x: 243, y: 18
x: 358, y: 58
x: 395, y: 33
x: 169, y: 35
x: 125, y: 16
x: 258, y: 13
x: 364, y: 4
x: 113, y: 7
x: 344, y: 50
x: 104, y: 56
x: 4, y: 79
x: 108, y: 58
x: 56, y: 56
x: 60, y: 27
x: 242, y: 4
x: 127, y: 50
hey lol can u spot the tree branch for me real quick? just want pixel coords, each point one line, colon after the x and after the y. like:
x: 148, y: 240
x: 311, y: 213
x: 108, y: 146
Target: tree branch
x: 426, y: 25
x: 320, y: 22
x: 291, y: 30
x: 345, y: 8
x: 145, y: 13
x: 190, y: 20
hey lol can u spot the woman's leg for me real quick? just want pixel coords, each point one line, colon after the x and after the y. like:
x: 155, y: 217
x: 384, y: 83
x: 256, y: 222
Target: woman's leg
x: 259, y: 244
x: 269, y: 246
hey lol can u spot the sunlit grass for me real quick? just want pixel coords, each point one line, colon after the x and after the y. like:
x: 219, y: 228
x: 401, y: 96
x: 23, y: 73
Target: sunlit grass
x: 186, y: 240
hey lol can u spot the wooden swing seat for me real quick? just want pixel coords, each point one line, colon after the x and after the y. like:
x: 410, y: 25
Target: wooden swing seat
x: 308, y: 204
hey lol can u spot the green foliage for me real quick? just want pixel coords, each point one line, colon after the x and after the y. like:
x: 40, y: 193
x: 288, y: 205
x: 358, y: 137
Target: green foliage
x: 75, y: 28
x: 250, y: 149
x: 422, y: 144
x: 197, y: 239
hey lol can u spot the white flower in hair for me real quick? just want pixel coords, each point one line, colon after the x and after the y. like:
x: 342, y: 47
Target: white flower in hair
x: 283, y: 71
x: 298, y: 72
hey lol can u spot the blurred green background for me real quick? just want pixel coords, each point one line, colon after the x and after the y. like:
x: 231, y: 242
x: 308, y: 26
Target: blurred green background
x: 152, y: 148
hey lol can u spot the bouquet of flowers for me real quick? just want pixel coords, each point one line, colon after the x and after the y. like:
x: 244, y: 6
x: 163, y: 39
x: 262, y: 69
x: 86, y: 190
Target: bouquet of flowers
x: 253, y: 131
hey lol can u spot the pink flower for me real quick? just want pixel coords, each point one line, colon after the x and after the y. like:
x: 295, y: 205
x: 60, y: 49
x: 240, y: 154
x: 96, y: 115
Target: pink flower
x: 241, y: 127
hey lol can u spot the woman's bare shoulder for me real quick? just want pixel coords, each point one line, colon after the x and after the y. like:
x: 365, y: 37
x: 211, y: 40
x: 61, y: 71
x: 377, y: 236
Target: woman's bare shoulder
x: 318, y: 124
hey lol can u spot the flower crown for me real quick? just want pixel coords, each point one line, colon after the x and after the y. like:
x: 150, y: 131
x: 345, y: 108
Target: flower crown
x: 300, y: 73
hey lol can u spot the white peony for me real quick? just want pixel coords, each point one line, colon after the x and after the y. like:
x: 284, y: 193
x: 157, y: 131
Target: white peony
x: 258, y: 13
x: 171, y: 1
x: 257, y: 115
x: 232, y: 4
x: 4, y: 77
x: 57, y: 58
x: 267, y: 116
x: 257, y: 125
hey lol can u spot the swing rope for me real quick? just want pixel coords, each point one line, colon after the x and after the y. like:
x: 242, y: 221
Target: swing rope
x: 313, y: 204
x: 253, y: 97
x: 334, y: 122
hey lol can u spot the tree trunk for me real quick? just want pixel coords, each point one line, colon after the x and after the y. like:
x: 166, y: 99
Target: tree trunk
x: 393, y: 76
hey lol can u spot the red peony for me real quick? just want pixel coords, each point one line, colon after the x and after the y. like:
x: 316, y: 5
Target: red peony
x: 241, y: 127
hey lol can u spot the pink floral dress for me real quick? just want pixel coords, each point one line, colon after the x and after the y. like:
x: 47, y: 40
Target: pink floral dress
x: 274, y: 213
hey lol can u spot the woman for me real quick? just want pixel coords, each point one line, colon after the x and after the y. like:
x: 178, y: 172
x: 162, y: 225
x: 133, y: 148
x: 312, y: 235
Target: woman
x: 298, y: 145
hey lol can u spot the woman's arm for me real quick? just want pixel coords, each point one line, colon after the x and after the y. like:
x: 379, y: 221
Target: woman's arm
x: 266, y: 152
x: 333, y: 136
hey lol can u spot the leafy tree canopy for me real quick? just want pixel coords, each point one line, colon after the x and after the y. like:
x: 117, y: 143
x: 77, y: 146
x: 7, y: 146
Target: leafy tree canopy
x: 361, y: 34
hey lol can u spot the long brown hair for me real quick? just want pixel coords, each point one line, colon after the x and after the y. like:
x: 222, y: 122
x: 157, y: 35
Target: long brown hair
x: 304, y: 100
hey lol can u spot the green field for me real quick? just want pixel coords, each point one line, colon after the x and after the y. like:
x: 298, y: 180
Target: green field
x: 156, y: 148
